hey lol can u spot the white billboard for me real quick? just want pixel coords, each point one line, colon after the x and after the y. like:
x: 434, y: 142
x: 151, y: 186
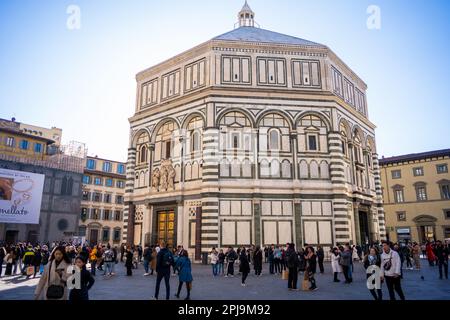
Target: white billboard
x: 20, y: 196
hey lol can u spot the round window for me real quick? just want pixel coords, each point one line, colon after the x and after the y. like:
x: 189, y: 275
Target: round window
x: 63, y: 224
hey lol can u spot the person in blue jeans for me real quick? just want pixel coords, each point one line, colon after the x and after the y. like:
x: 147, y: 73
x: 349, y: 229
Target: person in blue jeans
x: 164, y: 260
x: 147, y: 256
x: 214, y: 256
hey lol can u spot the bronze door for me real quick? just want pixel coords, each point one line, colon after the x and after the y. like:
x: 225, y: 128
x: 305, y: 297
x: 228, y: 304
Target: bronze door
x: 166, y: 227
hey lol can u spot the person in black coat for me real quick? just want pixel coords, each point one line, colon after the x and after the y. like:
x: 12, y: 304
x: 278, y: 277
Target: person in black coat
x: 293, y: 263
x: 86, y: 281
x: 320, y: 258
x: 270, y: 258
x: 244, y: 266
x: 37, y: 260
x: 129, y: 262
x: 257, y: 261
x: 266, y: 254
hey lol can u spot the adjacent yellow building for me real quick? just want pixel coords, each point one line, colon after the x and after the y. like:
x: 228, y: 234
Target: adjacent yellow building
x: 16, y: 142
x: 416, y: 193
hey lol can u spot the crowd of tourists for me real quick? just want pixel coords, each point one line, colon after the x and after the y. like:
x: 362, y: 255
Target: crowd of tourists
x: 51, y: 262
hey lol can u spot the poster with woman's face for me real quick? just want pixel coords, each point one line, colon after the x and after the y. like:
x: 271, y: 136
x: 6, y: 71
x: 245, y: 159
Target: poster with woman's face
x: 20, y: 196
x: 6, y: 188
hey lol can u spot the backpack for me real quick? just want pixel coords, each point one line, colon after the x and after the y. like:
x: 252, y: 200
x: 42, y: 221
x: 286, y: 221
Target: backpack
x: 109, y: 256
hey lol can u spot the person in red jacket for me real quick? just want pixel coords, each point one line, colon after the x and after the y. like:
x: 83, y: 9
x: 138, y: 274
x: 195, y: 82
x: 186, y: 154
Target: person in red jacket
x: 430, y: 254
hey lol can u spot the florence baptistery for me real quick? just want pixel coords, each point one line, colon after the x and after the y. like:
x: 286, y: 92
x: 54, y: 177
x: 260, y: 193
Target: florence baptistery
x: 252, y: 137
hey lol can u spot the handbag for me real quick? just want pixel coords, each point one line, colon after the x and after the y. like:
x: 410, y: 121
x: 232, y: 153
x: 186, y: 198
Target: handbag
x: 54, y: 292
x: 30, y: 271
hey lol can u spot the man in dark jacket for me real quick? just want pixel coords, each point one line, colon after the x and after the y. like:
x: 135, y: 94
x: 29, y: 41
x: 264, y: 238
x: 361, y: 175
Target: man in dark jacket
x: 442, y: 253
x: 257, y: 261
x: 320, y: 257
x: 345, y: 262
x: 231, y: 256
x: 147, y: 255
x: 293, y: 263
x: 164, y: 260
x: 270, y: 259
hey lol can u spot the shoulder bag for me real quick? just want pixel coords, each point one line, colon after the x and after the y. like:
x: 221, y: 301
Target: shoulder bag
x: 54, y: 292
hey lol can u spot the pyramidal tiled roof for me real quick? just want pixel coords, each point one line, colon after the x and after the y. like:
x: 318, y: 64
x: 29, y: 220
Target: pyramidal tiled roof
x: 252, y: 34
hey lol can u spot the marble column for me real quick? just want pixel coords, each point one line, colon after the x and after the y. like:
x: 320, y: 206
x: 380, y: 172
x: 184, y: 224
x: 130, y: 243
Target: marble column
x: 356, y: 223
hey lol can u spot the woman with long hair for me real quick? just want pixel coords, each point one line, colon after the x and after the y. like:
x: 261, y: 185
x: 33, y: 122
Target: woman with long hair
x: 373, y: 259
x: 52, y: 285
x: 183, y: 266
x: 311, y: 267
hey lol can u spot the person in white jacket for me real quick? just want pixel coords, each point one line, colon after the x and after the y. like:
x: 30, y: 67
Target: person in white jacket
x: 390, y: 271
x: 214, y: 256
x: 335, y: 256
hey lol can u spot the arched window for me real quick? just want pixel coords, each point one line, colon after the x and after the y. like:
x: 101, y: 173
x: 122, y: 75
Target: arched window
x: 224, y: 168
x: 274, y: 140
x: 195, y: 142
x: 64, y: 186
x: 142, y: 148
x: 194, y: 129
x: 274, y: 131
x: 105, y: 234
x: 314, y: 170
x: 234, y: 127
x: 164, y: 141
x: 264, y: 168
x: 286, y: 169
x: 143, y: 154
x: 344, y: 138
x: 357, y: 148
x: 69, y: 186
x: 313, y: 131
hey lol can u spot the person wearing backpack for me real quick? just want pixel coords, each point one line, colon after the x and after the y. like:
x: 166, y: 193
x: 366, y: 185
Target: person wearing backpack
x: 390, y: 271
x: 292, y: 262
x: 108, y: 258
x: 164, y: 260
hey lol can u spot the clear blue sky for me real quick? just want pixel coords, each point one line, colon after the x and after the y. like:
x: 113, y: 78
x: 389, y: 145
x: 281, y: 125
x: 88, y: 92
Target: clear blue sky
x: 83, y: 80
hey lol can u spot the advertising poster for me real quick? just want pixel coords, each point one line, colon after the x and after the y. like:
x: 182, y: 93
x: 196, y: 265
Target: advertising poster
x: 20, y: 196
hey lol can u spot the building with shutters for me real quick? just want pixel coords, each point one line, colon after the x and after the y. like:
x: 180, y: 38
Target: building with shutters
x: 416, y: 194
x: 102, y: 201
x: 253, y: 137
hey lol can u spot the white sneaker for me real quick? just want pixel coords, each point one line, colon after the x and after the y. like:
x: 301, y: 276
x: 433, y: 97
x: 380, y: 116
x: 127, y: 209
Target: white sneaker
x: 146, y: 274
x: 243, y: 284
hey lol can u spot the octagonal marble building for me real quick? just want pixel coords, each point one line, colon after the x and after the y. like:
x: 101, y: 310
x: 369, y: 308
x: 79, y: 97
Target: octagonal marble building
x: 253, y: 137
